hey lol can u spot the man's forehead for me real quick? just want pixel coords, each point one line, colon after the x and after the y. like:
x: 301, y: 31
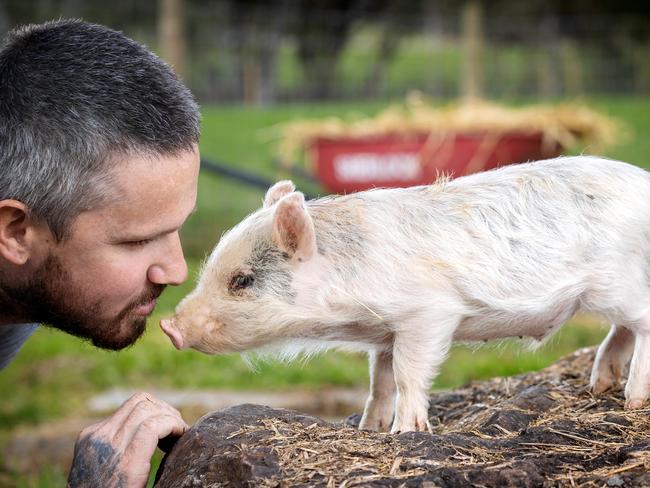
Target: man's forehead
x: 133, y: 174
x: 148, y: 196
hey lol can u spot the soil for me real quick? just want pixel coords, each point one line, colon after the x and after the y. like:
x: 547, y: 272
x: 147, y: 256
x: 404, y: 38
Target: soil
x: 541, y: 429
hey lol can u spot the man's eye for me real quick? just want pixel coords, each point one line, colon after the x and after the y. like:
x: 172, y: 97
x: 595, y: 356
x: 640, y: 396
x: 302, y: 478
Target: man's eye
x: 241, y: 281
x: 138, y: 243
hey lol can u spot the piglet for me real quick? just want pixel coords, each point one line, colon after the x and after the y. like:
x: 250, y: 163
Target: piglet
x: 401, y: 273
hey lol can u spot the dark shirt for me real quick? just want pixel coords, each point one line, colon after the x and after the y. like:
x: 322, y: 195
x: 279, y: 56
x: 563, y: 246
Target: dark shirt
x: 12, y: 337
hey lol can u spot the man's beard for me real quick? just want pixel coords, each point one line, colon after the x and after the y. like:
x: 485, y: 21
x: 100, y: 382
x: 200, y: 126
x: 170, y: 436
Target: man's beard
x: 48, y: 297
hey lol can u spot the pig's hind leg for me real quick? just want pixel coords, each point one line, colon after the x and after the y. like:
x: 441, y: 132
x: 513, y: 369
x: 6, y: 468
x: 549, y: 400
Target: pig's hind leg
x: 637, y: 388
x: 419, y: 348
x: 611, y: 358
x: 380, y: 405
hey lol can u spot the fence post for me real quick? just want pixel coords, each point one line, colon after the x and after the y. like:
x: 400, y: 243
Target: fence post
x: 473, y: 44
x: 171, y: 34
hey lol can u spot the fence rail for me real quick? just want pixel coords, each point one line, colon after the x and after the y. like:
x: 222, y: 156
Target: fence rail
x: 260, y: 54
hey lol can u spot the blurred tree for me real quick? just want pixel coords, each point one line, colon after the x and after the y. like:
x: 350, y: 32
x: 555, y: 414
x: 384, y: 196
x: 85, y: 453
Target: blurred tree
x: 472, y: 27
x: 246, y: 35
x: 127, y: 15
x: 617, y: 31
x: 261, y: 25
x: 322, y: 29
x: 171, y: 34
x: 395, y: 19
x: 233, y: 46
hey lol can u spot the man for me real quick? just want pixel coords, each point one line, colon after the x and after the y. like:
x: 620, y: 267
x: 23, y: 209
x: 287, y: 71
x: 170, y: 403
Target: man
x: 98, y: 171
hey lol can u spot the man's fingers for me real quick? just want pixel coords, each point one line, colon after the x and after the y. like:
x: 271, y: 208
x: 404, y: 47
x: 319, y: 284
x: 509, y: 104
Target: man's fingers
x: 166, y: 406
x: 132, y: 412
x: 120, y: 415
x: 138, y: 453
x: 123, y: 444
x: 144, y: 411
x: 155, y: 428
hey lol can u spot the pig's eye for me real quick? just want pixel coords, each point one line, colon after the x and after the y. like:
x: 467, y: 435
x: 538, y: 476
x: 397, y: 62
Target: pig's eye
x: 241, y: 281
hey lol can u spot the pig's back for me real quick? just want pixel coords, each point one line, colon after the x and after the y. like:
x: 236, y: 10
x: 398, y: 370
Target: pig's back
x: 558, y: 198
x: 561, y: 198
x: 545, y: 230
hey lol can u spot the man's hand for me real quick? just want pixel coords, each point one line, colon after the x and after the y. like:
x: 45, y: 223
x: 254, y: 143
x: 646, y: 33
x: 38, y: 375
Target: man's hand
x: 117, y: 452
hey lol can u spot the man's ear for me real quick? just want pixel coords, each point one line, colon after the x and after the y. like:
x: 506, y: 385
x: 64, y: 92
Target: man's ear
x: 16, y: 232
x: 293, y: 229
x: 277, y: 191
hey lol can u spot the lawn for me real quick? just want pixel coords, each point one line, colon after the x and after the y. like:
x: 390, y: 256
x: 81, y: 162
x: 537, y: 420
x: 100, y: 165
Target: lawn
x: 54, y: 375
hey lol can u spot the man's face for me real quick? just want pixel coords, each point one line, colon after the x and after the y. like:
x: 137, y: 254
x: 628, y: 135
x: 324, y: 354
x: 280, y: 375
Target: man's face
x: 102, y: 283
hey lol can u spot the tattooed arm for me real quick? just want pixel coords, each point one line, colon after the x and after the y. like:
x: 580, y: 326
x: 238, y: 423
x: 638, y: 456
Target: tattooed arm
x: 116, y: 453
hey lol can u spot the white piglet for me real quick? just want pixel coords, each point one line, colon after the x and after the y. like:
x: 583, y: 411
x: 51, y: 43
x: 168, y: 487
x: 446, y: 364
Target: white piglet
x: 401, y: 273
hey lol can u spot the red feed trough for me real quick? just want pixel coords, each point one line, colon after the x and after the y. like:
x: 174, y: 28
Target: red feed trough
x: 345, y: 165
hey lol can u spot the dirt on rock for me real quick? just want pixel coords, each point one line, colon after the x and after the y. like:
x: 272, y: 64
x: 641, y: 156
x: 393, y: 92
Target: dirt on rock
x: 541, y: 429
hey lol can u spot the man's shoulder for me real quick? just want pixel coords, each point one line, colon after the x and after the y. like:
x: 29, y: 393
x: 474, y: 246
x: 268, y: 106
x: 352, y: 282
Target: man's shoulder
x: 16, y: 330
x: 12, y: 337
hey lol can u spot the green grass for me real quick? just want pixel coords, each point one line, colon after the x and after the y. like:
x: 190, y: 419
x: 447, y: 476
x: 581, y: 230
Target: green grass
x: 54, y: 375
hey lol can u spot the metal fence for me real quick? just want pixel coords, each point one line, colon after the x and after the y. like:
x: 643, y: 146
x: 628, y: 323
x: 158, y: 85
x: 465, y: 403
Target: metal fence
x: 269, y: 54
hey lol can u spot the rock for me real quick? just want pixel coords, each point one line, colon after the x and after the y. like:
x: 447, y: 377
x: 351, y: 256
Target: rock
x: 535, y: 430
x: 326, y: 402
x: 615, y: 481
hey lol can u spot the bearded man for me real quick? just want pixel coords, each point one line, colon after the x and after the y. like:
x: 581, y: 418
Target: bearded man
x: 98, y: 171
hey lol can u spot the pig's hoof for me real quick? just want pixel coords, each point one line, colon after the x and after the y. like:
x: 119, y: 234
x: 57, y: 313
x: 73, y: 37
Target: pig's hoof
x: 604, y: 377
x: 377, y: 416
x: 378, y: 425
x: 416, y: 426
x: 400, y: 427
x: 601, y: 385
x: 634, y: 404
x: 423, y: 426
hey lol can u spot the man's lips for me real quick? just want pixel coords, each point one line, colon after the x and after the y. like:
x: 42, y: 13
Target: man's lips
x: 145, y: 308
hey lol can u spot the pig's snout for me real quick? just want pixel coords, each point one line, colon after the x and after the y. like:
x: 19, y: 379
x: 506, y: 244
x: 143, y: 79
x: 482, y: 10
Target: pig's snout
x: 167, y: 325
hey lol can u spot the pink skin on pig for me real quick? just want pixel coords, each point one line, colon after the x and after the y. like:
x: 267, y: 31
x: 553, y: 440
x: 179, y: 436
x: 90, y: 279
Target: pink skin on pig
x: 168, y: 328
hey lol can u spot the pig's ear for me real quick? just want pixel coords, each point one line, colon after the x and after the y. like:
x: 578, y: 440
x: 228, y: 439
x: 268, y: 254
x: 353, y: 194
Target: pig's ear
x: 277, y: 191
x: 293, y: 229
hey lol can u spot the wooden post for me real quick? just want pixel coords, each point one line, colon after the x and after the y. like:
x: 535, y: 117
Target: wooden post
x: 171, y: 34
x: 572, y: 67
x: 472, y: 32
x: 548, y: 52
x: 251, y: 80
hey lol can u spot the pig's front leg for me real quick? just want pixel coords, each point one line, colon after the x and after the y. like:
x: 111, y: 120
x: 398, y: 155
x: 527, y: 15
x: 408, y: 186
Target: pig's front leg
x: 418, y: 351
x: 380, y: 405
x: 611, y: 358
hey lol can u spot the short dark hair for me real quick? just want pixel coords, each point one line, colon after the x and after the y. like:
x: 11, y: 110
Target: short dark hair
x: 74, y: 97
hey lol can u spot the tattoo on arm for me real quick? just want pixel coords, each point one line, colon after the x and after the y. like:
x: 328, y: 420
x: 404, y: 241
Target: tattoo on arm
x: 95, y: 464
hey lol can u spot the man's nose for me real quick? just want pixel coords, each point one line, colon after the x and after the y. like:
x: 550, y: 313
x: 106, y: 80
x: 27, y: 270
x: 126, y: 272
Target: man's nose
x: 170, y: 268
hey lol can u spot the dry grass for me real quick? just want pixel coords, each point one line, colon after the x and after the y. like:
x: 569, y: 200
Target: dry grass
x: 567, y: 437
x: 343, y: 457
x: 564, y: 125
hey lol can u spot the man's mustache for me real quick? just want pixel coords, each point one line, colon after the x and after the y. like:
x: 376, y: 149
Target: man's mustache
x: 151, y: 294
